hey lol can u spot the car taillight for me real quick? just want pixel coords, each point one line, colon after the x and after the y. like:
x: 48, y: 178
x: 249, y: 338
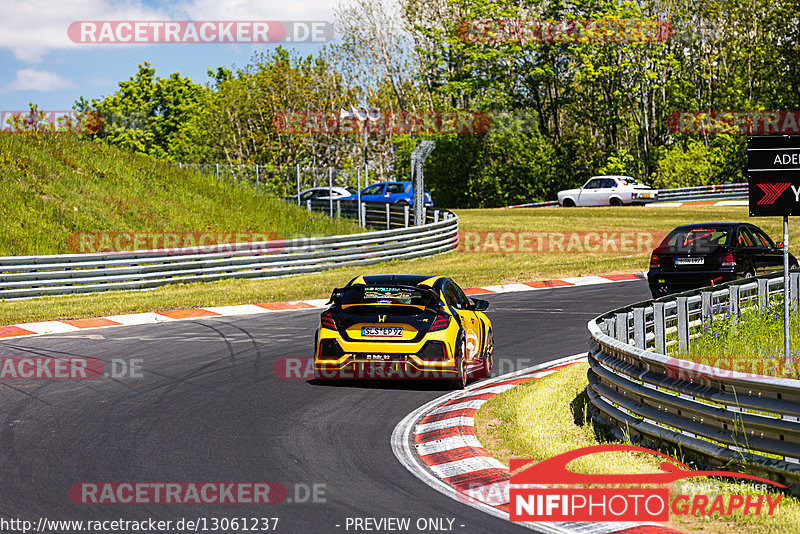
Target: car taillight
x: 440, y: 323
x: 654, y: 262
x: 728, y: 261
x: 327, y: 321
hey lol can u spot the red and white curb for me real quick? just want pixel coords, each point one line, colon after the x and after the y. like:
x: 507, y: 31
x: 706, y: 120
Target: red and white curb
x: 709, y: 203
x: 437, y: 443
x: 77, y: 325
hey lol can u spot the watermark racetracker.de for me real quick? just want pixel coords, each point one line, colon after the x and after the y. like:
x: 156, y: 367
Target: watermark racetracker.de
x: 68, y: 368
x: 196, y: 31
x: 495, y: 31
x: 553, y: 242
x: 196, y: 492
x: 71, y: 121
x: 175, y: 242
x: 388, y: 122
x: 734, y: 122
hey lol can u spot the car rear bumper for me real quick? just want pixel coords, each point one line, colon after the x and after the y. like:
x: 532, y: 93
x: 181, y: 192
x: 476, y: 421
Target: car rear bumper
x: 674, y: 282
x: 401, y: 367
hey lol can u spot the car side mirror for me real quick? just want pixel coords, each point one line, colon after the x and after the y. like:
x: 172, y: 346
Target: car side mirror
x: 779, y: 245
x: 479, y: 305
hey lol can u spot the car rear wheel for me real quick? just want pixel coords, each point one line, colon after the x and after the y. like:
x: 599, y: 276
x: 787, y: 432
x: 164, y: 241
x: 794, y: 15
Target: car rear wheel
x: 568, y: 203
x: 750, y: 273
x: 459, y: 381
x: 488, y: 359
x: 615, y: 202
x: 402, y: 203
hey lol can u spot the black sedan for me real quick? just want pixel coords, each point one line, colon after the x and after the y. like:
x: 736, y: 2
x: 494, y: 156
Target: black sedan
x: 708, y: 254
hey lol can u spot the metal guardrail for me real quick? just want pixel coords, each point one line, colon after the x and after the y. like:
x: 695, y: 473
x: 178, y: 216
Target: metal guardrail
x: 34, y: 276
x: 736, y: 191
x: 728, y: 417
x: 375, y: 214
x: 704, y: 192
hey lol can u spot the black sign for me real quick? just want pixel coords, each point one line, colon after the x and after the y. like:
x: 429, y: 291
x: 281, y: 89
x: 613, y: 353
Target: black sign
x: 773, y: 175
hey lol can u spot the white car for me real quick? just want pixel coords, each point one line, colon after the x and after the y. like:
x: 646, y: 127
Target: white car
x: 608, y: 191
x: 323, y: 193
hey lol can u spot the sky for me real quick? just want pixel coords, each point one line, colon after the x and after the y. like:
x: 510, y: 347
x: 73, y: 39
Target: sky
x: 40, y: 63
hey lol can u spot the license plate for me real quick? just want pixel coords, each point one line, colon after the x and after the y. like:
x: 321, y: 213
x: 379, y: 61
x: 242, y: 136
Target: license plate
x: 381, y: 331
x: 690, y: 261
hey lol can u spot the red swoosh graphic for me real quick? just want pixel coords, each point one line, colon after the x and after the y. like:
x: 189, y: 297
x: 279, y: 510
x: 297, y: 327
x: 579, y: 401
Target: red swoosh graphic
x: 554, y: 470
x: 771, y: 193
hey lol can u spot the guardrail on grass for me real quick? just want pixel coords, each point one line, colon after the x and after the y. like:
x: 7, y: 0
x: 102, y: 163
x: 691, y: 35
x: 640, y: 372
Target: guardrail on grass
x: 374, y: 214
x: 726, y: 416
x: 35, y: 276
x: 736, y: 191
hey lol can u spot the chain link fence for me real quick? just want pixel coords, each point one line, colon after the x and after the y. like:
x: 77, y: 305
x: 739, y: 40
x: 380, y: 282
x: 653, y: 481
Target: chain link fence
x: 283, y: 182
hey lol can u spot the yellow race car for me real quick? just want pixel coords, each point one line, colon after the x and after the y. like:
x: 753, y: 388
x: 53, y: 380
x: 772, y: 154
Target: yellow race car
x: 403, y: 326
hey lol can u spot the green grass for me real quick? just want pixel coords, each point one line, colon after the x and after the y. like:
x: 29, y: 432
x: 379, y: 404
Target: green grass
x: 754, y: 344
x: 547, y: 417
x: 56, y: 185
x: 470, y: 269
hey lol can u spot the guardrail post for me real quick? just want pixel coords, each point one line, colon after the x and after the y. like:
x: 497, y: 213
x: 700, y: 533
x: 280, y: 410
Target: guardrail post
x: 256, y: 178
x: 363, y: 211
x: 406, y: 209
x: 435, y: 216
x: 608, y: 326
x: 706, y: 308
x: 388, y: 216
x: 794, y: 289
x: 218, y: 172
x: 763, y: 293
x: 659, y: 328
x: 339, y: 209
x: 683, y: 323
x: 638, y: 328
x: 734, y: 301
x: 621, y: 328
x: 308, y: 205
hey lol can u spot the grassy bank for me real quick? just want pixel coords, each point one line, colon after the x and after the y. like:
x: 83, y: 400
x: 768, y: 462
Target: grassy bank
x: 547, y: 417
x: 55, y: 185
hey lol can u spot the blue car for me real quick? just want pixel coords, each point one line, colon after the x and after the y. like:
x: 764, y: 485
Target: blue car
x: 391, y: 192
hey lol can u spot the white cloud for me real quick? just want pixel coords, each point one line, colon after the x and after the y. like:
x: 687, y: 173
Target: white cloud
x: 254, y: 10
x: 33, y: 28
x: 37, y: 80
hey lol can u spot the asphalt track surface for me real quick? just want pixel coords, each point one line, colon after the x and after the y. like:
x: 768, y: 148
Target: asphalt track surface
x: 209, y: 407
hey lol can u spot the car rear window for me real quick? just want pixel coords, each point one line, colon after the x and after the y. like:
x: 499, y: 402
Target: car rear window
x: 385, y: 295
x: 696, y: 238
